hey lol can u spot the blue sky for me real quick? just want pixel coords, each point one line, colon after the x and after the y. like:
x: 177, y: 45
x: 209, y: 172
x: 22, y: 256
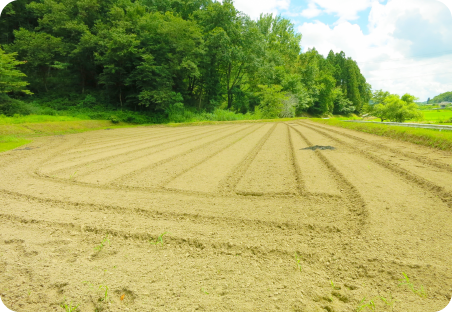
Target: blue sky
x: 401, y: 46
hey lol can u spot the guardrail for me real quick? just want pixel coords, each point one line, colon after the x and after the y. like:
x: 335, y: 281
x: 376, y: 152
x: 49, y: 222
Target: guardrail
x: 413, y: 125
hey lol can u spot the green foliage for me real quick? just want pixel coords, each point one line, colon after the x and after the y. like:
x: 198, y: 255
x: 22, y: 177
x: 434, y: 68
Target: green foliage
x: 39, y: 51
x: 173, y: 61
x: 10, y: 77
x: 271, y: 100
x: 443, y: 97
x: 397, y: 109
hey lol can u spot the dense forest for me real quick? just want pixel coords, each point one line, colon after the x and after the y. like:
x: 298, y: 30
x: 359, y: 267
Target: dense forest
x: 162, y: 57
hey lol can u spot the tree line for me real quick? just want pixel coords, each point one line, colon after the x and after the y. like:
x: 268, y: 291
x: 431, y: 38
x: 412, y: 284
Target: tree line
x: 165, y: 56
x: 443, y: 97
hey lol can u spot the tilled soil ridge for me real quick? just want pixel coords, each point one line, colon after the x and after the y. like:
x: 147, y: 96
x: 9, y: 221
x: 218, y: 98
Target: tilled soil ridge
x: 238, y: 217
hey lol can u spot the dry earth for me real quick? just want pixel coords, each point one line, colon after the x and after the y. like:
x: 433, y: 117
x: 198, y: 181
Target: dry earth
x: 253, y: 221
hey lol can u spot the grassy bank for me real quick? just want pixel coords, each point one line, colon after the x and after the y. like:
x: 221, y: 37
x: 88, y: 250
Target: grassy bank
x: 427, y: 137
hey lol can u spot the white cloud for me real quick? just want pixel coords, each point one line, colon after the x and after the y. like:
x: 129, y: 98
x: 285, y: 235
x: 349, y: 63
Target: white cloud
x: 312, y: 11
x: 254, y: 8
x: 400, y: 53
x: 346, y: 10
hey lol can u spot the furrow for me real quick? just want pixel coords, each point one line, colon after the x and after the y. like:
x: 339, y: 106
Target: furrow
x: 271, y: 170
x: 446, y: 196
x: 83, y: 165
x: 126, y: 145
x: 228, y: 184
x: 157, y: 215
x: 356, y: 205
x: 208, y: 155
x: 206, y: 177
x: 129, y: 178
x: 374, y: 144
x: 297, y: 171
x: 124, y: 142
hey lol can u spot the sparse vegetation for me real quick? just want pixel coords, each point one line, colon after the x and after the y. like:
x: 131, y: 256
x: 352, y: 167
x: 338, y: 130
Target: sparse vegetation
x: 69, y: 307
x: 371, y: 304
x: 296, y: 257
x: 407, y: 282
x: 159, y: 239
x: 105, y: 241
x: 105, y: 289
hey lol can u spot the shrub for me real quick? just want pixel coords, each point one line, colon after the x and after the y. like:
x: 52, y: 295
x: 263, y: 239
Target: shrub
x: 114, y: 119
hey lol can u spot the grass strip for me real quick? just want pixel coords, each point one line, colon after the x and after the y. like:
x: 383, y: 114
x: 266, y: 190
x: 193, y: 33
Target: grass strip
x: 11, y: 142
x: 427, y: 137
x: 4, y: 120
x: 13, y: 135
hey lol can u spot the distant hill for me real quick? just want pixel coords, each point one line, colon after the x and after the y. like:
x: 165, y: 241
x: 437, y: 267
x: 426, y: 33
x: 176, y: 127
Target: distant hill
x: 443, y: 97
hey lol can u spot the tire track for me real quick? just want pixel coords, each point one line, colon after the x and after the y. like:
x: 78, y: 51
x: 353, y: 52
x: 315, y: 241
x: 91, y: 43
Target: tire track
x: 145, y: 237
x: 444, y: 195
x: 422, y: 160
x: 229, y: 183
x: 125, y: 177
x: 310, y: 250
x: 159, y: 215
x: 357, y: 204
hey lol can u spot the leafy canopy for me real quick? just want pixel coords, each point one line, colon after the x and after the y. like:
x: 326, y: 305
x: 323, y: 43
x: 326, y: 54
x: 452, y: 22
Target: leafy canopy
x: 10, y: 77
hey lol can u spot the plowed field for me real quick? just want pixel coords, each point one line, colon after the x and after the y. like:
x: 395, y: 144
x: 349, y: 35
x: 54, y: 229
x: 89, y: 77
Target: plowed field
x: 232, y: 217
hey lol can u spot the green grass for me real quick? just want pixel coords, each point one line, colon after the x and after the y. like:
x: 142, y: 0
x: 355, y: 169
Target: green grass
x: 427, y: 137
x: 4, y: 120
x: 9, y: 142
x: 430, y: 116
x: 442, y: 116
x: 17, y: 131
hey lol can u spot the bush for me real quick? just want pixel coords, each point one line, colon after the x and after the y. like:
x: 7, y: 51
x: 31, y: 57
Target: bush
x: 10, y: 107
x: 114, y: 119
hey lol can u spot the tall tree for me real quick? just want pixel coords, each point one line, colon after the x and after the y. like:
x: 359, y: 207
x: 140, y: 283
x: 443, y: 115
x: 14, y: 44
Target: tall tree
x: 11, y: 79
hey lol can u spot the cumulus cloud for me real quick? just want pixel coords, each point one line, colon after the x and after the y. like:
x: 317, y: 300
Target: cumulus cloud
x: 312, y: 11
x: 407, y: 47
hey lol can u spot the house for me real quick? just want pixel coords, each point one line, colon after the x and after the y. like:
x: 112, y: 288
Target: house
x: 444, y: 104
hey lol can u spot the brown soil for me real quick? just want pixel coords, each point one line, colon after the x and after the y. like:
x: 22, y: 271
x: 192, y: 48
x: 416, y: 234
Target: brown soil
x: 254, y: 221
